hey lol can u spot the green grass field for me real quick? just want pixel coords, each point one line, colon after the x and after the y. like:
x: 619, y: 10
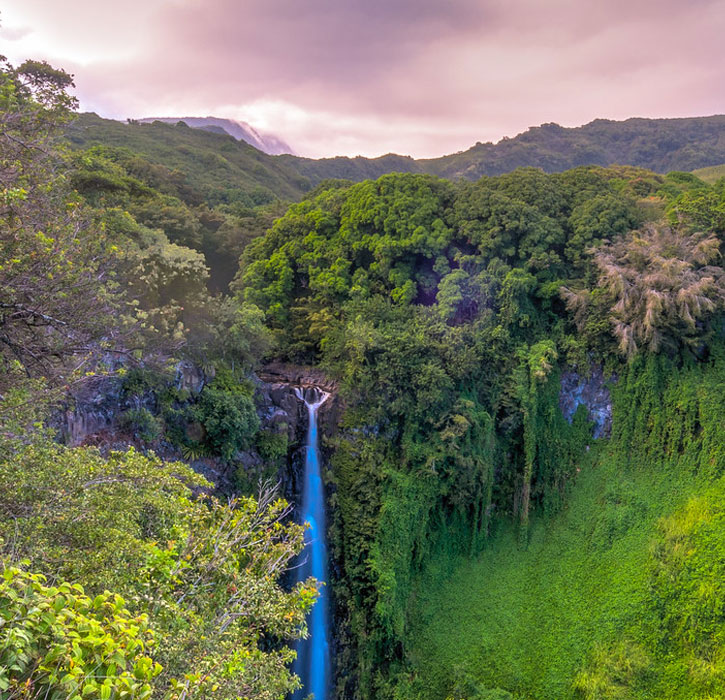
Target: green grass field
x: 710, y: 175
x: 527, y: 621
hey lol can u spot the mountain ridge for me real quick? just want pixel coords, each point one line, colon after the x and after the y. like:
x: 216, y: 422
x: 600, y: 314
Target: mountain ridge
x: 661, y: 145
x: 215, y: 159
x: 271, y: 144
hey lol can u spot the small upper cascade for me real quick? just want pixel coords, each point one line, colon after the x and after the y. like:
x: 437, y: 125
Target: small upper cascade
x: 311, y: 396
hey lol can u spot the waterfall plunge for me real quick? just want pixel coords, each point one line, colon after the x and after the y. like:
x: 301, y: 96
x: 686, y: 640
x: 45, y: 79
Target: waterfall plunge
x: 313, y: 654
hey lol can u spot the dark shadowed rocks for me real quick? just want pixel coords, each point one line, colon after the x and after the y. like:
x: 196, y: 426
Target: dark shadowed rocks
x: 591, y: 391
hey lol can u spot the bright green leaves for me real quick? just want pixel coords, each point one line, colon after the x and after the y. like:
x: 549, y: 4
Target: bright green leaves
x: 688, y: 590
x: 64, y: 644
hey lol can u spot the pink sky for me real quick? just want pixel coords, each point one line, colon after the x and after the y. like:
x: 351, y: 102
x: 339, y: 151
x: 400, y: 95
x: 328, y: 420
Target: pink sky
x: 349, y: 77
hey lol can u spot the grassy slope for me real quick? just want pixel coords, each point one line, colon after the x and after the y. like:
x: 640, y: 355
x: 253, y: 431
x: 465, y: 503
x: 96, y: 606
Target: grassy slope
x: 527, y: 621
x: 710, y: 175
x: 208, y: 159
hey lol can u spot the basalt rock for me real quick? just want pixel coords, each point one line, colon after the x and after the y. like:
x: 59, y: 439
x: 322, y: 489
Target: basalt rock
x: 296, y: 375
x: 281, y: 411
x: 92, y: 415
x: 95, y: 407
x: 590, y: 391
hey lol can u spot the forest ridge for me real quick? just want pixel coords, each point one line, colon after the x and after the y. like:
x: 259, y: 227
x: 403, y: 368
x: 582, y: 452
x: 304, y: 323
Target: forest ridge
x: 447, y: 312
x: 661, y: 145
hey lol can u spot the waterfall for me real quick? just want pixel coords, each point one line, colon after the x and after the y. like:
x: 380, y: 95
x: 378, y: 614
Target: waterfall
x: 313, y: 654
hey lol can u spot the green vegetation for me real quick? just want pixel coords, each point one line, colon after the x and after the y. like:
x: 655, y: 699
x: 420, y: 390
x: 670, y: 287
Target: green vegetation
x: 48, y: 246
x: 447, y: 311
x: 154, y: 187
x: 84, y: 647
x: 121, y: 576
x: 661, y: 145
x: 221, y: 170
x: 711, y: 174
x: 198, y: 574
x: 228, y: 417
x: 485, y: 546
x: 214, y: 167
x: 617, y: 596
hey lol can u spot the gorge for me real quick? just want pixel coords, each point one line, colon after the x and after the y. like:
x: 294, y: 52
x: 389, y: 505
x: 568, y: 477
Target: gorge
x: 519, y: 381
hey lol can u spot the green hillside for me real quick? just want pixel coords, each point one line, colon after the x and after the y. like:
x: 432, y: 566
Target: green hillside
x: 478, y: 544
x: 711, y: 174
x: 355, y: 169
x: 661, y: 145
x: 220, y: 168
x: 230, y: 169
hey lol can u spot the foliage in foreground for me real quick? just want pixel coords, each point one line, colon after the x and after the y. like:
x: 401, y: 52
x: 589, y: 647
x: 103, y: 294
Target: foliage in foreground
x: 200, y: 575
x: 58, y: 643
x: 56, y: 296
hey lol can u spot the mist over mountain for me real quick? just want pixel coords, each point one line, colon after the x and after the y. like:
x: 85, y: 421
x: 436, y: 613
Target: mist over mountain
x: 242, y: 131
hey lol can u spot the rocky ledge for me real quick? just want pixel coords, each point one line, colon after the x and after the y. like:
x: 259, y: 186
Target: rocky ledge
x: 296, y: 375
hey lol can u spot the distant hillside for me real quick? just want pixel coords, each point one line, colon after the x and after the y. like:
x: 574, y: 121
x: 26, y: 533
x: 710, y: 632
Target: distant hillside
x: 226, y: 169
x: 269, y: 143
x: 710, y: 175
x: 661, y: 145
x: 355, y: 169
x: 221, y: 168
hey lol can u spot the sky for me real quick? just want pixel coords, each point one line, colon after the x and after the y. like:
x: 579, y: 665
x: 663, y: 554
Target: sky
x: 368, y: 77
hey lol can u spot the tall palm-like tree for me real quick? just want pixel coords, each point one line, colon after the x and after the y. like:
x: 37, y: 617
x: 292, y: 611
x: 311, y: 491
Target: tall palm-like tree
x: 664, y: 284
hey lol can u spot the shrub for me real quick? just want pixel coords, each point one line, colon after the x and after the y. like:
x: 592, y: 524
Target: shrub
x: 142, y: 422
x: 57, y: 643
x: 204, y: 571
x: 270, y: 445
x: 664, y: 285
x: 230, y: 420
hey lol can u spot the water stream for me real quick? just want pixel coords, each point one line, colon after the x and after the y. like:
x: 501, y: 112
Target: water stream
x: 313, y: 654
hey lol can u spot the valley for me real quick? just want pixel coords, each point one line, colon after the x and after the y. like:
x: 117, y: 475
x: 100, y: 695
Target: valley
x: 371, y: 429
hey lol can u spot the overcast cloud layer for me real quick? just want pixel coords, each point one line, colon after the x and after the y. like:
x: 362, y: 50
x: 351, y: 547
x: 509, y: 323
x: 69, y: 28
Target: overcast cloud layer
x: 348, y: 77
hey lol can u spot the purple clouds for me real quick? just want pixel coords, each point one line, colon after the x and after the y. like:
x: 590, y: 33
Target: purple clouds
x: 419, y: 77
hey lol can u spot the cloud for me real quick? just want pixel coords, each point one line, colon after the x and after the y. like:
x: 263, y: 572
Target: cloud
x: 14, y: 33
x: 368, y: 76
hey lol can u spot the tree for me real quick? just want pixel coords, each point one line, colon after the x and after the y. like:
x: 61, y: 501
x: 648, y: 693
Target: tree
x: 56, y: 295
x: 202, y: 574
x: 663, y: 287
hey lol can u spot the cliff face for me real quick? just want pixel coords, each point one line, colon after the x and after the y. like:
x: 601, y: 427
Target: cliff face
x: 590, y: 391
x: 94, y: 409
x: 281, y: 411
x: 93, y: 415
